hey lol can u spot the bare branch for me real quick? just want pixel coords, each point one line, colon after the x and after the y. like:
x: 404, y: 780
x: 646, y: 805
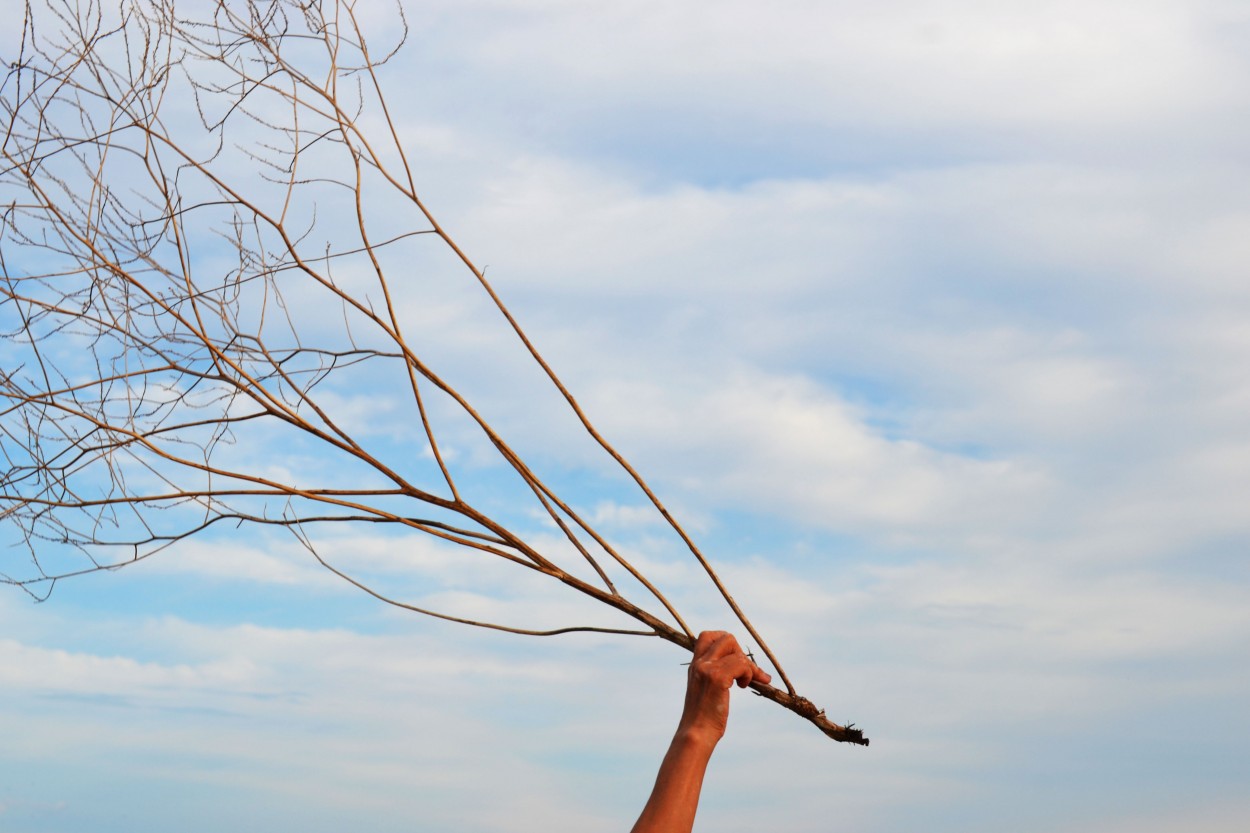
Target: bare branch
x: 210, y: 227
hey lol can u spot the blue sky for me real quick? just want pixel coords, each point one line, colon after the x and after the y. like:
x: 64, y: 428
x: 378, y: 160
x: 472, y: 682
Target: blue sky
x: 930, y: 320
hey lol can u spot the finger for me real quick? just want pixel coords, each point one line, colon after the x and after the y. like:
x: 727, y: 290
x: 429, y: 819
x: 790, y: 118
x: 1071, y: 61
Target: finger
x: 730, y: 669
x: 724, y: 645
x: 718, y: 655
x: 747, y: 672
x: 706, y: 641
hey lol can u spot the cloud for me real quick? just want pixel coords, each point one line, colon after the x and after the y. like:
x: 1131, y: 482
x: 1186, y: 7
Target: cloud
x: 887, y: 81
x: 788, y: 446
x: 932, y: 319
x: 1217, y: 817
x: 277, y: 562
x: 341, y: 719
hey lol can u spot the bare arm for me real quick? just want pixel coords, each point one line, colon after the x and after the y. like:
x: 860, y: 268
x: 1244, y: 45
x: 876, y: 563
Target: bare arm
x: 718, y: 663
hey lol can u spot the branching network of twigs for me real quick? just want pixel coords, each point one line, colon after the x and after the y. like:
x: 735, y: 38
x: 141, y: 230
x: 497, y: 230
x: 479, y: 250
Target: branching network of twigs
x: 201, y: 223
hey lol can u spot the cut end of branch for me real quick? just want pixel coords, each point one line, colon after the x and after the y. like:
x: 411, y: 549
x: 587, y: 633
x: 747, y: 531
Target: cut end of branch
x: 845, y: 734
x: 807, y: 709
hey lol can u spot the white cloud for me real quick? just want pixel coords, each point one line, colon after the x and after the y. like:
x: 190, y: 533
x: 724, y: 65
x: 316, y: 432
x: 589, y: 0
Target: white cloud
x: 276, y: 562
x: 1004, y: 360
x: 340, y: 719
x: 789, y: 447
x: 939, y: 72
x: 1210, y: 817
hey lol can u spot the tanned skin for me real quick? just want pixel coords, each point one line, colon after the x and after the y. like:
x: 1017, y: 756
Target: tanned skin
x: 718, y: 663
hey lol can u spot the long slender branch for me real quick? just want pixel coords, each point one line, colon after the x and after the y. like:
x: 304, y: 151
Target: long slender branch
x: 138, y: 360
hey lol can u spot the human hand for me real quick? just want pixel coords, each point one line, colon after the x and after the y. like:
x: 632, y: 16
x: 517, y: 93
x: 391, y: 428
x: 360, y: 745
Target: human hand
x: 718, y: 663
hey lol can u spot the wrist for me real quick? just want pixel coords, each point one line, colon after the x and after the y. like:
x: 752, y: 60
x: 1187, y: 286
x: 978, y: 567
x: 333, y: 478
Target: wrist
x: 697, y: 738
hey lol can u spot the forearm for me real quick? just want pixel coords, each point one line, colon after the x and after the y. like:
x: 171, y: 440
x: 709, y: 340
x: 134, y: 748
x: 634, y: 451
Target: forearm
x: 675, y: 797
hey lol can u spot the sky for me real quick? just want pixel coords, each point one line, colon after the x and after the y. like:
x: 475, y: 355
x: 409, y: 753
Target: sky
x: 929, y: 320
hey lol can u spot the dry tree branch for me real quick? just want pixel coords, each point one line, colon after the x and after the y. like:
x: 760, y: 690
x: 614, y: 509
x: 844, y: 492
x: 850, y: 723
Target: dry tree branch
x: 182, y: 202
